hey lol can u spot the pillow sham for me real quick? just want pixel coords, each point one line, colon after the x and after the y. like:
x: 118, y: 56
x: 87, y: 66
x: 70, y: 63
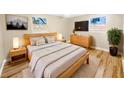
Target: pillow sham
x: 50, y: 39
x: 33, y: 40
x: 41, y: 41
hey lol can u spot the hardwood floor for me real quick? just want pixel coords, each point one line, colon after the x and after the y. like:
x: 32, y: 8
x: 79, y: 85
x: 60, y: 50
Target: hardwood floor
x: 14, y: 70
x: 108, y: 66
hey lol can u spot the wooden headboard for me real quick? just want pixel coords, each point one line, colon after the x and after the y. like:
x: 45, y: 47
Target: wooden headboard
x: 26, y: 37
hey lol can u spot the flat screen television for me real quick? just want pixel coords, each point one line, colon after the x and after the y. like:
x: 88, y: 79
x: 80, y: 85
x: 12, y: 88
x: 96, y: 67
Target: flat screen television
x: 82, y: 26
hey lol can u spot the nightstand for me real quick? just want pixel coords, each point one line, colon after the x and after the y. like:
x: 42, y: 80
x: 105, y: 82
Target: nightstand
x: 63, y: 40
x: 17, y: 55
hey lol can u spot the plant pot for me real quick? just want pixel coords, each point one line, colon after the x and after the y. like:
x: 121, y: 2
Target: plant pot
x: 113, y: 51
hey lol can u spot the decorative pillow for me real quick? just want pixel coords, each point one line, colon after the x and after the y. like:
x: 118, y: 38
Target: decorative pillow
x: 46, y: 40
x: 41, y: 41
x: 33, y: 40
x: 51, y: 39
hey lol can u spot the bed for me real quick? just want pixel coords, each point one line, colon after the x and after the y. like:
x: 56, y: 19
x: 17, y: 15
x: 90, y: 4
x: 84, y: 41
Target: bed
x: 56, y: 59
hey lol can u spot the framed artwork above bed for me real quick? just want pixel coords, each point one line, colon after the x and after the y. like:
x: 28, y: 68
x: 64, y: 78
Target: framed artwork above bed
x: 39, y: 21
x: 39, y: 24
x: 15, y: 22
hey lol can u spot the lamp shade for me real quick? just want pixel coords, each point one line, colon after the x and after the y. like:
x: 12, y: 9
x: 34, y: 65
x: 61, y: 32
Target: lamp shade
x: 59, y: 36
x: 15, y: 42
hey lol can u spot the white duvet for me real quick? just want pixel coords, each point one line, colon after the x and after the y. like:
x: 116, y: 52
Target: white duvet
x: 51, y: 60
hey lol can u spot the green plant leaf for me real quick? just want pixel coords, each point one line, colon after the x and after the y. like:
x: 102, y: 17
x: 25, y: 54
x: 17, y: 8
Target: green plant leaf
x: 114, y: 36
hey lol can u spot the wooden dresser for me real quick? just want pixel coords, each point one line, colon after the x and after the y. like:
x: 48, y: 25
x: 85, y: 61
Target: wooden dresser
x: 84, y: 41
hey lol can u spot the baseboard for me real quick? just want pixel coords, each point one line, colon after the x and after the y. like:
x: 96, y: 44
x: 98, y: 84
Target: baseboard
x: 1, y: 69
x: 103, y: 49
x: 99, y: 48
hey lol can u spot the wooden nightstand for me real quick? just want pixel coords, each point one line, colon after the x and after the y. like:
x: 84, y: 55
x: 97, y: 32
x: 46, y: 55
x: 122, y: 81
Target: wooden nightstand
x: 63, y: 40
x: 18, y: 55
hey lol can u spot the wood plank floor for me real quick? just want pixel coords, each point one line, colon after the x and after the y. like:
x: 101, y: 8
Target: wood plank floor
x: 108, y: 66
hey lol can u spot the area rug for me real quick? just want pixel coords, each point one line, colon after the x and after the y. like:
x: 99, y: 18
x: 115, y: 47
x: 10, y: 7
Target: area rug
x: 88, y: 70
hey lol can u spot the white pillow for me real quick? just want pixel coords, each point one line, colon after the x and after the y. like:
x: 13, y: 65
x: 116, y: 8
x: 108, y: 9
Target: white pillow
x: 51, y: 39
x: 33, y: 40
x: 41, y: 41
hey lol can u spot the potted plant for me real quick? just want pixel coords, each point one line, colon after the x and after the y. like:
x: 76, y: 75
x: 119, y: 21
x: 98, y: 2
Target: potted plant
x: 114, y: 37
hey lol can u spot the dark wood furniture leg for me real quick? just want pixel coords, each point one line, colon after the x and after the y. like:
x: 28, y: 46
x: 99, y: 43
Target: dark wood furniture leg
x: 87, y: 60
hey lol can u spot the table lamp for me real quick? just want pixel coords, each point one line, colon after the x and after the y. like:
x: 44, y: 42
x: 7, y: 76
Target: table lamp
x: 59, y: 36
x: 15, y: 42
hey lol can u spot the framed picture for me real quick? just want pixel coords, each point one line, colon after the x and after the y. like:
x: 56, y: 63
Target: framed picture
x: 98, y: 23
x: 39, y: 24
x: 15, y: 22
x: 39, y: 21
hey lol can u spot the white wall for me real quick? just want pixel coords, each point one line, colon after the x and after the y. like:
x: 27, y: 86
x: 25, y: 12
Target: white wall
x: 54, y: 24
x: 100, y: 37
x: 64, y: 26
x: 123, y: 46
x: 1, y: 45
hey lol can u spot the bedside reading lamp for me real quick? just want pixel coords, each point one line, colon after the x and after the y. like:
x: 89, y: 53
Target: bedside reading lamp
x: 60, y: 37
x: 15, y: 43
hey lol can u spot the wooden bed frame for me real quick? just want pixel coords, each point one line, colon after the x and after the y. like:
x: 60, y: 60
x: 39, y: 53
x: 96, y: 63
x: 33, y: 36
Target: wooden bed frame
x: 72, y: 69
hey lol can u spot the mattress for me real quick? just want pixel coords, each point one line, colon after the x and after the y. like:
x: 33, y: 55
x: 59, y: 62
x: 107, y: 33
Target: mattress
x: 50, y: 60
